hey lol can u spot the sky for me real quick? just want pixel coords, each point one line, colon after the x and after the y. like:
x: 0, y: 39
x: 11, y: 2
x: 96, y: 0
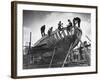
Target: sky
x: 33, y: 20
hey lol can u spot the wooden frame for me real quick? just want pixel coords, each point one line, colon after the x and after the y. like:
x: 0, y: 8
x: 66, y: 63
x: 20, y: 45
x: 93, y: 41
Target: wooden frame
x: 14, y: 38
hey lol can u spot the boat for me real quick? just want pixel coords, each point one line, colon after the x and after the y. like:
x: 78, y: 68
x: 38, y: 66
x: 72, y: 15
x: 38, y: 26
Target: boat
x: 55, y: 48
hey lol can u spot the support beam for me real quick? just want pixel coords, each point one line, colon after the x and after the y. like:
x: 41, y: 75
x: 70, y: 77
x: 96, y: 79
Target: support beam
x: 52, y: 58
x: 67, y: 55
x: 63, y: 32
x: 57, y: 36
x: 58, y: 33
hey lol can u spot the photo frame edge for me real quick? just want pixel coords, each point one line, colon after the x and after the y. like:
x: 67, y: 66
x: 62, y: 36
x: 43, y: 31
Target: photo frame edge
x: 14, y: 38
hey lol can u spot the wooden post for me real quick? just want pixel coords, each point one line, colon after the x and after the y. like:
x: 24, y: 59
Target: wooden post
x: 30, y: 39
x: 57, y: 36
x: 30, y: 56
x: 29, y: 43
x: 52, y: 58
x: 60, y: 34
x: 63, y: 32
x: 67, y: 55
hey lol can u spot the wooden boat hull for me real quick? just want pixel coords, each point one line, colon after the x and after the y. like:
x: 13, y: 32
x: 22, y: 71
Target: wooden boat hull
x: 57, y: 47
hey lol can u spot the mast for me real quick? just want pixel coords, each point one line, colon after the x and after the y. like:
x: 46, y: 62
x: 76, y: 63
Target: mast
x: 30, y: 39
x: 30, y: 42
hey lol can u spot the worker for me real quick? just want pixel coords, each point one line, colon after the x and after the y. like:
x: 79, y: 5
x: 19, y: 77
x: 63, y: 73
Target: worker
x: 60, y: 25
x: 69, y: 26
x: 43, y: 30
x: 50, y: 31
x: 76, y: 20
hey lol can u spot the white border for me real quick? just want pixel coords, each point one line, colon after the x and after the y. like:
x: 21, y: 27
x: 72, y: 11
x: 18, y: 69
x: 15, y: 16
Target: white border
x: 30, y: 72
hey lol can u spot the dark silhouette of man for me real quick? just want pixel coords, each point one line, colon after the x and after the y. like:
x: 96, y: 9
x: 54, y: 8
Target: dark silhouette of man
x: 76, y: 20
x: 60, y: 25
x: 81, y: 51
x: 69, y: 26
x: 50, y: 31
x: 86, y: 44
x: 43, y: 30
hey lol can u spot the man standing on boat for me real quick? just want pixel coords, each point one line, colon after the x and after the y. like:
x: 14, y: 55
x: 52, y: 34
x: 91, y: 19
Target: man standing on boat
x: 43, y: 30
x: 60, y: 25
x: 76, y: 20
x: 50, y: 31
x: 69, y: 26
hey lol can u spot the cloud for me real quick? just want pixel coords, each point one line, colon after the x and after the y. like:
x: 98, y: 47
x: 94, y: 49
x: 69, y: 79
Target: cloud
x: 33, y: 20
